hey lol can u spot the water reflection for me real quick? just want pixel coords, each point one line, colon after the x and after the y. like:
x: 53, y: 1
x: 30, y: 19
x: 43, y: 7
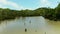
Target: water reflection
x: 28, y: 25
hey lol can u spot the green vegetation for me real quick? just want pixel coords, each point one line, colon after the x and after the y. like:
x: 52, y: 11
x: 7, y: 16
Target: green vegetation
x: 49, y: 13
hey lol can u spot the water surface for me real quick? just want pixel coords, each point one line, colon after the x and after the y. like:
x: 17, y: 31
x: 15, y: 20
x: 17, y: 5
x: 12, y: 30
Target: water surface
x: 34, y: 25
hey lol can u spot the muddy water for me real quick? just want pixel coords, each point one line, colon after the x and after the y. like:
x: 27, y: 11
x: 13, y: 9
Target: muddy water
x: 30, y: 25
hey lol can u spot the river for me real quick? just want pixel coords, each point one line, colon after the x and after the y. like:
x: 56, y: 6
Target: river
x: 30, y: 25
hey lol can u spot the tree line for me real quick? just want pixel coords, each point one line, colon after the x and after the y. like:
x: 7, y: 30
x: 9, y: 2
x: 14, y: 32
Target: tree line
x: 49, y: 13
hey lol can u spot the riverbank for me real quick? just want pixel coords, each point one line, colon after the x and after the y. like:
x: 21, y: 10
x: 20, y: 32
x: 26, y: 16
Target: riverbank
x: 51, y: 22
x: 46, y: 12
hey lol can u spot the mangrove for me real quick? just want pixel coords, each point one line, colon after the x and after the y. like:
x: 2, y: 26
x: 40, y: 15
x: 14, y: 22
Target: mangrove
x: 49, y: 13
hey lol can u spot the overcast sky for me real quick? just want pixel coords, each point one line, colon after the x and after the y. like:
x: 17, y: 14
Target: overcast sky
x: 28, y: 4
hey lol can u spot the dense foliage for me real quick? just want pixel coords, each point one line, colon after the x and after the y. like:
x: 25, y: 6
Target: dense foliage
x: 49, y: 13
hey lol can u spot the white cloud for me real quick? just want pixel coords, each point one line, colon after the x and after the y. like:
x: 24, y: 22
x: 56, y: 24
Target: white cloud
x: 12, y: 5
x: 45, y: 3
x: 48, y: 3
x: 9, y: 3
